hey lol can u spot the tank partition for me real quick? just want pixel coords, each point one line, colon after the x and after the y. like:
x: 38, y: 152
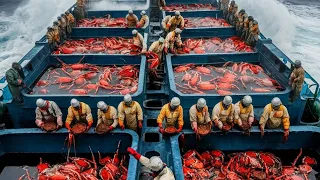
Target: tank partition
x: 63, y: 100
x: 34, y: 141
x: 101, y: 31
x: 300, y: 137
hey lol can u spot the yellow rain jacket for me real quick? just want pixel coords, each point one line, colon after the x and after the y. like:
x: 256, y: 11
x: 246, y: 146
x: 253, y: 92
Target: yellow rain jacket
x: 83, y: 115
x: 70, y: 18
x: 274, y: 118
x: 138, y: 41
x: 110, y: 117
x: 171, y: 40
x: 165, y: 21
x: 242, y: 113
x: 56, y: 30
x: 132, y: 20
x: 171, y: 116
x: 220, y: 114
x: 174, y: 23
x: 157, y: 48
x: 201, y: 117
x: 144, y: 21
x: 297, y: 73
x: 50, y: 36
x: 130, y: 114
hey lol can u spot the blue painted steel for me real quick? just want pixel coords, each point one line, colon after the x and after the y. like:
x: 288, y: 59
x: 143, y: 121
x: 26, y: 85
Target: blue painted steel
x: 36, y: 141
x: 300, y: 137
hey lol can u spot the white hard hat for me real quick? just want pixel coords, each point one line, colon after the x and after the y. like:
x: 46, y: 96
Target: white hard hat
x: 227, y: 100
x: 156, y: 163
x: 177, y: 13
x: 41, y: 103
x: 130, y: 12
x: 177, y: 30
x: 134, y: 31
x: 102, y: 105
x: 276, y: 101
x: 127, y: 98
x: 247, y: 100
x: 143, y: 13
x: 74, y: 102
x: 175, y: 101
x: 201, y: 103
x: 161, y: 39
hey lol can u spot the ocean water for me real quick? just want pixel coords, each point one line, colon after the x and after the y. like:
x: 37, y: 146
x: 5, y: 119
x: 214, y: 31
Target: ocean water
x: 294, y: 26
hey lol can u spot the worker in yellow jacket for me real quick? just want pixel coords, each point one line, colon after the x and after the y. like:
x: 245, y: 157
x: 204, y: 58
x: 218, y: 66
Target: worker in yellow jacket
x: 131, y: 19
x: 173, y: 41
x: 274, y: 116
x: 157, y: 47
x: 244, y: 112
x: 107, y: 114
x: 223, y: 112
x: 130, y: 114
x: 199, y: 114
x: 80, y: 112
x: 175, y: 22
x: 139, y: 41
x: 172, y: 113
x: 144, y: 21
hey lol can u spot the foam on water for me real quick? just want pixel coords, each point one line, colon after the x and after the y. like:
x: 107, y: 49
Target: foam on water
x: 107, y: 5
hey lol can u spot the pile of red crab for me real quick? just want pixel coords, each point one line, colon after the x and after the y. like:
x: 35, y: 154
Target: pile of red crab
x: 188, y: 7
x: 102, y: 22
x: 111, y: 45
x: 243, y: 165
x: 214, y: 45
x: 83, y: 79
x: 205, y: 22
x: 224, y: 80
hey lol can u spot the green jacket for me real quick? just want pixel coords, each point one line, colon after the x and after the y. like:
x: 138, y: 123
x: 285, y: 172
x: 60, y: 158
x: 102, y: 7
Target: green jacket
x: 12, y: 77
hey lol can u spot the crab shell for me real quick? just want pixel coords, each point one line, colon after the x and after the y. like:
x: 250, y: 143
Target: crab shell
x: 309, y: 160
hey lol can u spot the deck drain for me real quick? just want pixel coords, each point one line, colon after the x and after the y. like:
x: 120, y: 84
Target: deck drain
x: 152, y: 123
x: 153, y: 104
x: 151, y: 137
x: 149, y: 154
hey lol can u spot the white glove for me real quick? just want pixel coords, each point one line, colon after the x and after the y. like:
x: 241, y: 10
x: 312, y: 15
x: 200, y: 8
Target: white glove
x: 39, y: 123
x: 59, y: 121
x: 220, y: 125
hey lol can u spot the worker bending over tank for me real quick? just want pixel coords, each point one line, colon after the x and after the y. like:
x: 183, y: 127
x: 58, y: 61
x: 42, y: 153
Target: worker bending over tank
x: 130, y: 114
x: 157, y: 47
x: 79, y: 112
x: 222, y: 114
x: 144, y: 21
x: 274, y: 116
x: 244, y: 113
x: 138, y: 41
x: 175, y: 22
x: 48, y: 111
x: 159, y: 170
x: 173, y: 41
x: 131, y: 19
x: 107, y: 114
x: 199, y: 114
x: 172, y: 113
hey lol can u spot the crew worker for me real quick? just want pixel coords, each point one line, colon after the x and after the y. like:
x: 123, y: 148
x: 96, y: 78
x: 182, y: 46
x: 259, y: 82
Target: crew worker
x: 56, y: 30
x: 161, y: 4
x: 241, y: 24
x: 244, y: 112
x: 81, y: 9
x: 222, y: 113
x: 230, y: 9
x: 172, y: 113
x: 165, y: 21
x: 70, y: 23
x: 130, y: 114
x: 157, y: 47
x: 48, y: 111
x: 107, y: 114
x: 138, y: 41
x: 246, y: 27
x: 15, y: 77
x: 175, y: 22
x: 51, y: 39
x: 172, y: 41
x: 144, y: 21
x: 199, y: 114
x: 60, y: 29
x: 239, y: 20
x: 223, y: 6
x: 159, y: 169
x: 233, y: 15
x: 254, y: 34
x: 79, y: 111
x: 131, y: 19
x: 274, y: 115
x: 64, y: 25
x: 296, y: 80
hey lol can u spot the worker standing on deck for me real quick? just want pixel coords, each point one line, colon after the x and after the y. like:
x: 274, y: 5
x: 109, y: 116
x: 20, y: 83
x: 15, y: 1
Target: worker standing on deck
x: 64, y: 25
x: 70, y: 23
x: 230, y: 10
x: 246, y: 27
x: 159, y: 170
x: 131, y: 19
x: 239, y: 20
x: 222, y: 113
x: 48, y: 111
x: 199, y: 114
x: 157, y: 47
x: 144, y: 21
x: 161, y: 4
x: 250, y: 25
x: 56, y: 30
x: 233, y: 15
x: 244, y: 112
x: 254, y: 34
x: 172, y: 113
x: 79, y: 111
x: 175, y: 22
x: 241, y: 24
x: 138, y: 41
x: 107, y: 114
x: 130, y: 114
x: 172, y: 41
x: 223, y: 6
x: 51, y: 39
x: 275, y: 114
x: 296, y: 80
x: 15, y: 77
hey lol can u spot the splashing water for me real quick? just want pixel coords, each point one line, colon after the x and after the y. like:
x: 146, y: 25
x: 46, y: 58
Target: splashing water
x: 107, y: 5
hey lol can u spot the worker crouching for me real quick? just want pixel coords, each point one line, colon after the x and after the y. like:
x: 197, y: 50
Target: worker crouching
x: 244, y: 114
x: 199, y: 115
x: 130, y: 114
x: 274, y: 116
x: 48, y: 112
x: 222, y: 114
x: 107, y: 115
